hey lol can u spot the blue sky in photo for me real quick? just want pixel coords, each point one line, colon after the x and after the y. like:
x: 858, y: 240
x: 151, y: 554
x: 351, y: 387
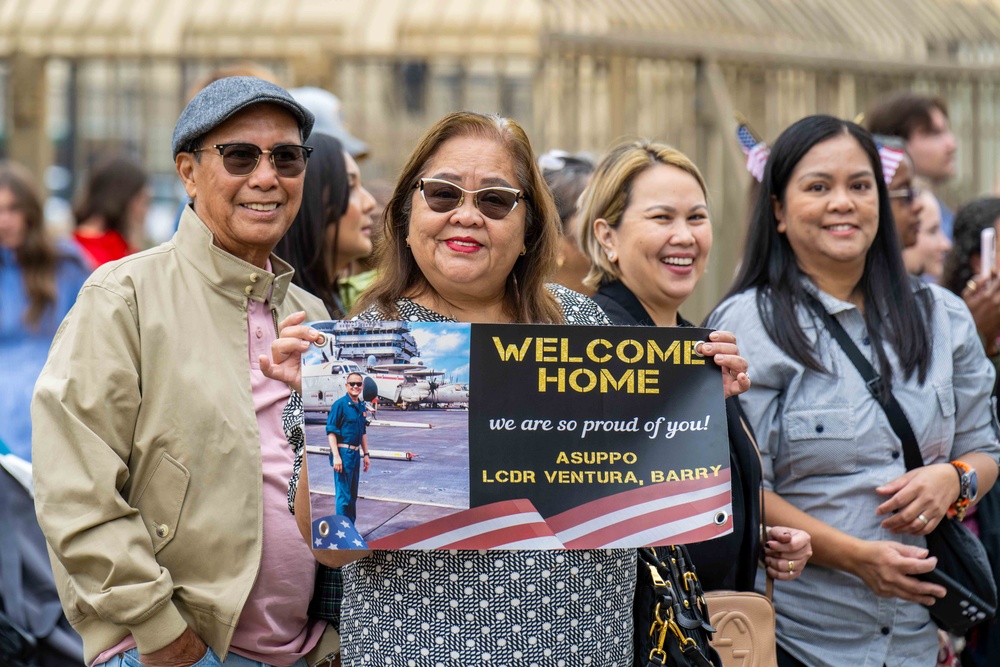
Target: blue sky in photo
x: 444, y: 346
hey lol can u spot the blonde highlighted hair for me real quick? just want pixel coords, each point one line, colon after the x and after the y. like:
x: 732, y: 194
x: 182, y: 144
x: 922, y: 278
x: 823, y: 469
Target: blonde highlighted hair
x: 608, y: 194
x: 526, y: 298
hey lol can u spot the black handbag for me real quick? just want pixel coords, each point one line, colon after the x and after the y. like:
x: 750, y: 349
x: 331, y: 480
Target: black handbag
x: 670, y: 612
x: 963, y: 567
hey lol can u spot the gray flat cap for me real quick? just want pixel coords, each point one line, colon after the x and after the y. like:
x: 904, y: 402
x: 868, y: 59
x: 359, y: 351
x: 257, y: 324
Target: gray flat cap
x: 221, y: 99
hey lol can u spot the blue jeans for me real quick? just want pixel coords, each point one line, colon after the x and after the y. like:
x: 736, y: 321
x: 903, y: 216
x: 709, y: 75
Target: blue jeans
x: 130, y: 658
x: 347, y: 483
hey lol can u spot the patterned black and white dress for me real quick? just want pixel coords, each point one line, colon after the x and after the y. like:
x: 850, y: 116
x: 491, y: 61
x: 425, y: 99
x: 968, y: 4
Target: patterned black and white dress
x: 490, y: 608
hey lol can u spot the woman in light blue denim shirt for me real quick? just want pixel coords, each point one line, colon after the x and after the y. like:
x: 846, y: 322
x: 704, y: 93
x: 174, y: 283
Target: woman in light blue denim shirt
x: 39, y: 281
x: 822, y: 229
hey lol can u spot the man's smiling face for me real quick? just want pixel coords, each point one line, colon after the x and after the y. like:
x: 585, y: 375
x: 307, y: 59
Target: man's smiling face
x: 247, y: 214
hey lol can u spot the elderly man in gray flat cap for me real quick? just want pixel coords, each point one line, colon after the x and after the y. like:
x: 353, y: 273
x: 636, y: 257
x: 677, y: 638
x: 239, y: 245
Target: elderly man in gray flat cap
x: 160, y: 466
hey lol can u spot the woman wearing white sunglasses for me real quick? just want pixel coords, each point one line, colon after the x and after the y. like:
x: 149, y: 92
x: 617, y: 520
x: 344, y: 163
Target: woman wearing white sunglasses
x: 470, y: 235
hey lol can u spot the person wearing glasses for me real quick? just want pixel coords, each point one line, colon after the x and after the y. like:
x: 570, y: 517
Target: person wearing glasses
x: 346, y: 429
x: 904, y: 195
x: 160, y: 466
x: 470, y: 234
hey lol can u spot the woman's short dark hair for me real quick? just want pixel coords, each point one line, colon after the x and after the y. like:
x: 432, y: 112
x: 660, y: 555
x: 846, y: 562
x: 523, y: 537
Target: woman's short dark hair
x: 526, y: 298
x: 325, y: 194
x: 970, y: 220
x: 891, y: 309
x: 109, y: 189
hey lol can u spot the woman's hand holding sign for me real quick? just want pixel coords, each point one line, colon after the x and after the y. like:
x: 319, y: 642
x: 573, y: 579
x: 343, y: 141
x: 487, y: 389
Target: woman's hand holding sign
x: 721, y: 346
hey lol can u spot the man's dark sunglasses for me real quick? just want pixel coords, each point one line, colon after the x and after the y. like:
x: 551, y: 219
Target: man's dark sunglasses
x: 355, y: 384
x: 289, y: 160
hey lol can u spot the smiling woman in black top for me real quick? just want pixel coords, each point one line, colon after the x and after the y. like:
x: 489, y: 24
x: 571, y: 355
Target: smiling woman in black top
x: 644, y: 224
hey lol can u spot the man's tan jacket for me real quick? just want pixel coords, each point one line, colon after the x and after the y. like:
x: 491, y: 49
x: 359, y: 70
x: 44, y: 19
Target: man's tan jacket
x: 146, y: 452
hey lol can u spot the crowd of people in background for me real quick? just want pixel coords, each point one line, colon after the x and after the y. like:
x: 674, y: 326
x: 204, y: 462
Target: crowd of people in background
x: 478, y: 228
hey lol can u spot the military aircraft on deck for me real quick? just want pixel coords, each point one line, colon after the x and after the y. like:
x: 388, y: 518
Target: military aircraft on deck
x: 413, y: 385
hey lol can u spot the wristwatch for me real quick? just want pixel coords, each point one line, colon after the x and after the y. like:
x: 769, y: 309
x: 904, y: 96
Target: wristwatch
x: 968, y: 483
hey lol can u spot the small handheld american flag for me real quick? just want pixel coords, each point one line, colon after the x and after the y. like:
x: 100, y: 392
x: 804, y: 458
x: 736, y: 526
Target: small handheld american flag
x: 755, y: 149
x: 890, y: 157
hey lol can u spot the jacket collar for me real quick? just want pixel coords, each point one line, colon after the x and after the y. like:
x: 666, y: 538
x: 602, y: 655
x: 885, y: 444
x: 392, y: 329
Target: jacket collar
x: 623, y: 296
x: 195, y: 242
x: 617, y: 291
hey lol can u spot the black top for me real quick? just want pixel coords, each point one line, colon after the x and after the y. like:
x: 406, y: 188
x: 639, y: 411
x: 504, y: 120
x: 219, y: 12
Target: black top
x: 728, y: 562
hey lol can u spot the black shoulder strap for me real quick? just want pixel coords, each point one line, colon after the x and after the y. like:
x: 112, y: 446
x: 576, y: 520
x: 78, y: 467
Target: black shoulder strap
x: 893, y: 411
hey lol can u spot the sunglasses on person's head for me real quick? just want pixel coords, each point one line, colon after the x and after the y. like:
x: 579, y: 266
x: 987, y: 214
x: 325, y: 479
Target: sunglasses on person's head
x: 289, y: 160
x: 908, y: 195
x: 355, y: 384
x: 494, y: 202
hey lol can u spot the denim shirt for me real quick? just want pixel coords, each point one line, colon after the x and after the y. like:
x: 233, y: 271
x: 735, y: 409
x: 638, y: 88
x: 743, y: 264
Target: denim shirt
x: 826, y: 445
x: 23, y: 348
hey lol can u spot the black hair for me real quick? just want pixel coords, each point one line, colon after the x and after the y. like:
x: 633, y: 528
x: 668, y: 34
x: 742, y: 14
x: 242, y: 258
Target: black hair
x: 891, y: 309
x: 325, y: 195
x: 971, y: 219
x: 192, y: 145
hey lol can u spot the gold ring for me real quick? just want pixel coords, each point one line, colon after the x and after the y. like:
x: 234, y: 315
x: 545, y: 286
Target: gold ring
x: 971, y: 285
x: 924, y: 519
x: 791, y: 566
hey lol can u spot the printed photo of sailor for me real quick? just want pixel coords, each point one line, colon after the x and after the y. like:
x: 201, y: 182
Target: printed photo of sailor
x: 417, y: 442
x: 346, y: 432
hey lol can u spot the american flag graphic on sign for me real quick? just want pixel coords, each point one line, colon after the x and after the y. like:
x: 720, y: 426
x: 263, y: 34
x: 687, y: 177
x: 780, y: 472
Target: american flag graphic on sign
x: 336, y: 532
x: 508, y: 524
x: 666, y: 513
